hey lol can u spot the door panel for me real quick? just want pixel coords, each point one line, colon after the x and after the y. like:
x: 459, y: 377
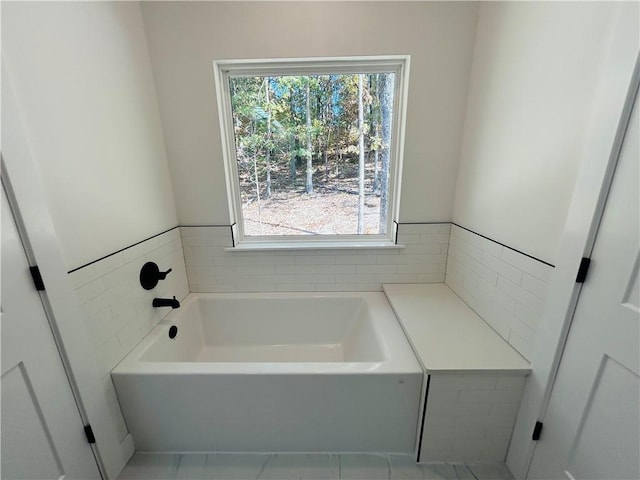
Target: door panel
x: 592, y: 425
x: 613, y: 438
x: 42, y: 434
x: 29, y: 453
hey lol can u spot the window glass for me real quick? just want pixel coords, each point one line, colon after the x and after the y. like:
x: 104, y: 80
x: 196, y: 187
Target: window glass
x: 311, y: 154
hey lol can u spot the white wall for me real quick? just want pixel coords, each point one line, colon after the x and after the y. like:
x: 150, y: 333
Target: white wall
x: 85, y: 90
x: 535, y: 71
x: 184, y: 39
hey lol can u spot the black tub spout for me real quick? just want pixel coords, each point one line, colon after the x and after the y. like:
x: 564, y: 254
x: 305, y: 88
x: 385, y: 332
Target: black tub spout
x: 166, y: 302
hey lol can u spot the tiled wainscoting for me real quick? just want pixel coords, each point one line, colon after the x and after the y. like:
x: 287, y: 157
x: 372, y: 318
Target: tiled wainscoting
x: 506, y: 288
x: 470, y: 417
x: 118, y: 311
x: 212, y: 268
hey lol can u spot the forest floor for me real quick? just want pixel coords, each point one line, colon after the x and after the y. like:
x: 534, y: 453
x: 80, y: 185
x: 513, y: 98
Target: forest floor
x: 331, y: 209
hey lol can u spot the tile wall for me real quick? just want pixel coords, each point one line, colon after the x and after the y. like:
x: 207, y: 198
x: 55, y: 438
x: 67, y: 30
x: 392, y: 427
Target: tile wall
x: 211, y: 268
x: 506, y: 288
x: 118, y: 311
x: 470, y: 417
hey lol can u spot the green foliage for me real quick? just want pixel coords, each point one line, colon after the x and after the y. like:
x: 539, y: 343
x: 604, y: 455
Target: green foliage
x: 271, y: 131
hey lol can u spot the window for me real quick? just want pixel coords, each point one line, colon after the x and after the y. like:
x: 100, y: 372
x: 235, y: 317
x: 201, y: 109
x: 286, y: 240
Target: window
x: 312, y: 149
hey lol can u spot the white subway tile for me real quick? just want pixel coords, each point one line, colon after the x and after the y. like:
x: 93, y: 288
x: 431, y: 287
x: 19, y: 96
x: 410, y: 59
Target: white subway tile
x: 290, y: 269
x: 479, y: 382
x: 277, y: 279
x: 213, y: 287
x: 409, y: 239
x: 511, y: 382
x: 439, y: 395
x: 534, y: 285
x: 376, y: 269
x: 441, y: 421
x: 379, y: 251
x: 96, y: 270
x: 503, y: 268
x: 108, y: 354
x: 417, y: 228
x: 273, y: 260
x: 315, y: 278
x: 396, y: 278
x: 509, y: 409
x: 438, y: 258
x: 417, y: 249
x: 355, y: 259
x: 90, y: 290
x: 472, y: 250
x: 353, y: 287
x: 233, y: 259
x: 522, y: 296
x: 396, y: 259
x: 484, y: 420
x: 433, y: 249
x: 523, y: 347
x: 475, y: 396
x: 210, y: 270
x: 446, y: 382
x: 526, y: 264
x: 494, y: 450
x: 335, y: 269
x: 528, y: 316
x: 468, y: 450
x: 256, y: 269
x: 314, y: 260
x: 296, y: 287
x: 415, y: 268
x: 159, y: 252
x: 126, y: 273
x: 470, y: 264
x: 460, y: 409
x: 524, y: 331
x: 457, y: 433
x: 430, y: 278
x: 442, y: 238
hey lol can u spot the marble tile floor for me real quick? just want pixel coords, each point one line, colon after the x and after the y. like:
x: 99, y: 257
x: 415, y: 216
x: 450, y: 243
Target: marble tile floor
x: 219, y: 466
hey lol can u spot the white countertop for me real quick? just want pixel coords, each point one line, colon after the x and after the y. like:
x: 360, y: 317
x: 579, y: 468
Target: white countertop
x: 446, y: 335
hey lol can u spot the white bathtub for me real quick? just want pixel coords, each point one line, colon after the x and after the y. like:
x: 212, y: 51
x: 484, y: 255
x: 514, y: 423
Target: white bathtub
x: 277, y: 372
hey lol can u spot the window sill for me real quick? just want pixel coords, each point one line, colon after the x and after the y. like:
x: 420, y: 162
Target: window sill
x: 310, y: 245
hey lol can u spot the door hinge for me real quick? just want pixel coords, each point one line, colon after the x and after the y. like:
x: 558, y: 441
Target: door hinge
x: 536, y: 431
x: 583, y: 270
x: 37, y: 278
x: 88, y: 431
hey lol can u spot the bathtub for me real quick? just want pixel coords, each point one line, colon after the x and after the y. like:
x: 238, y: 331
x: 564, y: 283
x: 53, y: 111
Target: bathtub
x: 276, y: 372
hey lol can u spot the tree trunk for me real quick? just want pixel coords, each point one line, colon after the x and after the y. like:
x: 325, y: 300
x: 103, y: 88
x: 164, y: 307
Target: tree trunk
x: 375, y: 132
x: 294, y: 158
x: 268, y: 153
x: 309, y: 183
x: 386, y: 105
x: 257, y: 182
x: 376, y: 170
x: 361, y: 158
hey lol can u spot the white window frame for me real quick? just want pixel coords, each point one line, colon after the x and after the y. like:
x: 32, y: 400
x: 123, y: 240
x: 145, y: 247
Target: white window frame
x: 223, y: 69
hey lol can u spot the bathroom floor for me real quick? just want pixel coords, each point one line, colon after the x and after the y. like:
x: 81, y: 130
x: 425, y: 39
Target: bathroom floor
x: 149, y: 466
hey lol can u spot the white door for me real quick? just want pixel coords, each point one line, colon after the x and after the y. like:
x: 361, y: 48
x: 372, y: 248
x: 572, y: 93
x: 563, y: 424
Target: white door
x: 42, y: 435
x: 592, y: 425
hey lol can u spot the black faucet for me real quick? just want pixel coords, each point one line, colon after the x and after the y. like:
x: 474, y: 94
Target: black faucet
x: 166, y: 302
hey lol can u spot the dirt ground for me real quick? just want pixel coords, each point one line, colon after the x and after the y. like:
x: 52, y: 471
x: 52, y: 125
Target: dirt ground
x: 297, y: 213
x: 331, y: 209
